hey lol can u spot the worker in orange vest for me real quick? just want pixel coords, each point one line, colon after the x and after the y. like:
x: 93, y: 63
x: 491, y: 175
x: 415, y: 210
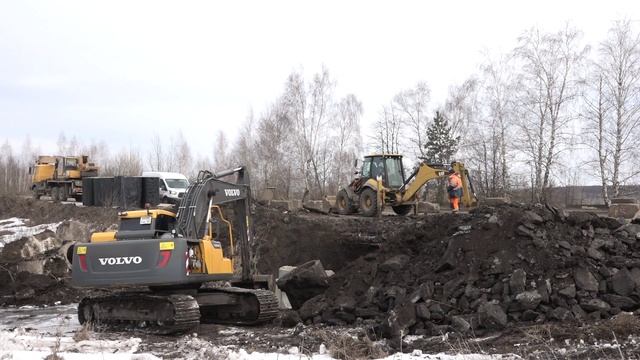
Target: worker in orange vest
x: 454, y: 188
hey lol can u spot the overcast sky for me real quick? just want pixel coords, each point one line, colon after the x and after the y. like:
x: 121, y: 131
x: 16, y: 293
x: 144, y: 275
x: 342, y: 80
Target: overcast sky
x: 120, y: 71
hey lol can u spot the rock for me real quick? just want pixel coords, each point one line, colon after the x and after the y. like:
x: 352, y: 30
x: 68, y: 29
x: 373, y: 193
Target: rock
x: 313, y: 307
x: 578, y: 313
x: 530, y: 315
x: 394, y: 263
x: 581, y: 218
x: 531, y: 217
x: 459, y: 324
x: 635, y: 275
x: 399, y: 320
x: 366, y: 313
x: 622, y: 302
x: 564, y: 244
x: 529, y: 300
x: 304, y: 282
x: 518, y: 281
x: 73, y: 230
x: 585, y: 280
x: 524, y: 231
x: 561, y: 314
x: 622, y: 283
x: 627, y: 211
x: 493, y: 201
x: 595, y: 305
x: 428, y: 207
x: 568, y: 291
x: 288, y: 318
x: 422, y: 311
x: 491, y: 316
x: 595, y: 254
x: 345, y: 303
x: 426, y: 290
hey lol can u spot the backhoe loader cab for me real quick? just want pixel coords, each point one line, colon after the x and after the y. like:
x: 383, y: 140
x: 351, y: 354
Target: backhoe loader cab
x: 381, y: 182
x: 388, y: 167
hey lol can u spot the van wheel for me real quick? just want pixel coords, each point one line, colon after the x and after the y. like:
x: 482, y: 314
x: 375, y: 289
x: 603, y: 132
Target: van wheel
x: 369, y: 202
x: 165, y: 200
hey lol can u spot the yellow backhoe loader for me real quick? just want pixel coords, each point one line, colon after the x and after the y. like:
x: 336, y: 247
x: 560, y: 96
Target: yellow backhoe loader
x: 381, y: 182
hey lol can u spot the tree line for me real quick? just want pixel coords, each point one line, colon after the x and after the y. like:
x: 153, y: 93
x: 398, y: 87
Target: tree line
x: 552, y: 111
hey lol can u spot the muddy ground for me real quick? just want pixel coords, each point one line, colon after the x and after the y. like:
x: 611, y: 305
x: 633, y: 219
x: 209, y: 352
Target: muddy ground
x: 533, y: 281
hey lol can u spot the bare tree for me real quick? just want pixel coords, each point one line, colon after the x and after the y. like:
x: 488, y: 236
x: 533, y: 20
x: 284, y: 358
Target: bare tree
x: 412, y: 104
x: 309, y: 111
x: 126, y: 162
x: 489, y: 141
x: 221, y: 156
x: 550, y: 62
x: 595, y: 111
x: 387, y: 132
x: 156, y: 154
x: 347, y: 144
x: 620, y: 63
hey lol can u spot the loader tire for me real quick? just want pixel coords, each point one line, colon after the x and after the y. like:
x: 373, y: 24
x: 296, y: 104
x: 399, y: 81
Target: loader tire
x: 344, y: 203
x: 402, y: 210
x: 369, y: 202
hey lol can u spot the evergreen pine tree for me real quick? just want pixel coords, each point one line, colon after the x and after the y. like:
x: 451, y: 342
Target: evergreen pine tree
x: 441, y: 144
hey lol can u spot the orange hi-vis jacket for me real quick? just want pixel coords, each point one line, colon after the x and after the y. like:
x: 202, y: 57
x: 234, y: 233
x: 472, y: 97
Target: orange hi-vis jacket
x: 455, y: 182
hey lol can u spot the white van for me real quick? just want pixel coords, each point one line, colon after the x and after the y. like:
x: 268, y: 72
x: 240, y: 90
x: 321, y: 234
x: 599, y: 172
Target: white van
x: 172, y: 185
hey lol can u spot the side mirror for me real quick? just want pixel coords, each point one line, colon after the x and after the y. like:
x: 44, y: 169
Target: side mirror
x: 355, y: 163
x: 30, y: 170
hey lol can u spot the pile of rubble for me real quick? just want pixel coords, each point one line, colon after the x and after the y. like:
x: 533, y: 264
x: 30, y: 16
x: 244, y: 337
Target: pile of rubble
x: 485, y: 271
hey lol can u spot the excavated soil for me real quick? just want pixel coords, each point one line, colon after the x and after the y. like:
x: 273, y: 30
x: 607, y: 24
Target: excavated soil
x: 530, y: 274
x: 44, y: 212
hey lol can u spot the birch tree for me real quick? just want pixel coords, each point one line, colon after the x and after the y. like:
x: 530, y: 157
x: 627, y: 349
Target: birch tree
x: 620, y: 63
x: 411, y: 105
x: 550, y: 62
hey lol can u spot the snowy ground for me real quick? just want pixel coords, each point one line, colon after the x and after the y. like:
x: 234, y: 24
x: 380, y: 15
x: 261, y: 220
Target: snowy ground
x: 17, y: 228
x: 35, y: 333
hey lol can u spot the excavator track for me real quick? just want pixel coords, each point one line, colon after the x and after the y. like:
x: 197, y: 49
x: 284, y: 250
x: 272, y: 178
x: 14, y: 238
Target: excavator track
x: 147, y: 312
x: 175, y: 313
x: 245, y: 307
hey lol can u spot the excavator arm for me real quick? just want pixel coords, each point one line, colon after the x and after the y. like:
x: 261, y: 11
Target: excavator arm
x: 426, y: 172
x: 194, y: 212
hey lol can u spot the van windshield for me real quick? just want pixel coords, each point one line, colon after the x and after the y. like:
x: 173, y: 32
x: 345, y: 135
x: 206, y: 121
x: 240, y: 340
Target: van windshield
x: 177, y: 183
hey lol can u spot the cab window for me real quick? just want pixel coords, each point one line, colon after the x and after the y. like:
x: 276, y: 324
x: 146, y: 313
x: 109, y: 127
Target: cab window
x: 377, y: 168
x: 366, y: 168
x: 394, y: 172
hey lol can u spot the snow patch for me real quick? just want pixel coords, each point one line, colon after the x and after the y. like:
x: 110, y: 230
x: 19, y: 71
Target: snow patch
x: 18, y: 228
x: 20, y: 344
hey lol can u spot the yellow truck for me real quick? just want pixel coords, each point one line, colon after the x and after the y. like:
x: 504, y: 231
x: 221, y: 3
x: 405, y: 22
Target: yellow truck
x: 60, y: 177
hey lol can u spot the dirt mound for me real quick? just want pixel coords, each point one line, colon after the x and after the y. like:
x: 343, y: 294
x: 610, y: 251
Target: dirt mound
x: 292, y: 238
x: 45, y: 212
x: 486, y: 270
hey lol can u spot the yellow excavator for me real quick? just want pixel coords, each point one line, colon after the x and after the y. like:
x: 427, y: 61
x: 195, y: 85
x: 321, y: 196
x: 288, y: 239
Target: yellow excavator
x: 174, y: 259
x: 381, y: 182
